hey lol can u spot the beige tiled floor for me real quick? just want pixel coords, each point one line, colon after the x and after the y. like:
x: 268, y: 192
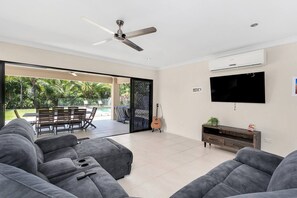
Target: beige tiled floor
x: 164, y: 162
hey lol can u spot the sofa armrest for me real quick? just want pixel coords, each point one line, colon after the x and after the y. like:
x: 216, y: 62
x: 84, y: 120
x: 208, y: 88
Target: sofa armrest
x: 54, y: 143
x: 288, y: 193
x: 57, y: 167
x: 261, y: 160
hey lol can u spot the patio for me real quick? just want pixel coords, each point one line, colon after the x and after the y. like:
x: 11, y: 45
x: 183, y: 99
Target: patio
x: 67, y: 88
x: 104, y: 128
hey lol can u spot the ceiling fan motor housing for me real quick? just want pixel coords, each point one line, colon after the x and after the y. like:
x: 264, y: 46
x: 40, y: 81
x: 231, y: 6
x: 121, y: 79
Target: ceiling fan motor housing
x: 119, y: 35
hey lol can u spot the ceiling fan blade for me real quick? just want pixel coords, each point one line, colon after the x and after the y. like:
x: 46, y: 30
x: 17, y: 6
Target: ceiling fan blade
x: 131, y: 44
x: 101, y: 42
x: 141, y: 32
x: 97, y: 25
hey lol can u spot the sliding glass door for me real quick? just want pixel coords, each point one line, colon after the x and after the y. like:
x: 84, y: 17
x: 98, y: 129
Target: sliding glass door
x: 141, y: 104
x: 2, y: 94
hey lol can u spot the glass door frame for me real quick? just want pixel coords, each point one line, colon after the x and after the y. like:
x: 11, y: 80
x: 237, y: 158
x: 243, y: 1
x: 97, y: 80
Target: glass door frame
x: 132, y: 99
x: 2, y: 94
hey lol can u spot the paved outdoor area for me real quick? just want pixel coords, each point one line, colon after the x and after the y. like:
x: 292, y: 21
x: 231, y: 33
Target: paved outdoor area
x: 104, y: 128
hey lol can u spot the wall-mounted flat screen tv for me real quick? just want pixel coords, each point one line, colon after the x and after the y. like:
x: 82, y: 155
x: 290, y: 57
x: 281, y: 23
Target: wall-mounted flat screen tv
x: 245, y: 88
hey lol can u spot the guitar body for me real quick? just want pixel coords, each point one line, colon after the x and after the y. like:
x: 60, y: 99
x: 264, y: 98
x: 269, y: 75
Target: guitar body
x: 156, y: 123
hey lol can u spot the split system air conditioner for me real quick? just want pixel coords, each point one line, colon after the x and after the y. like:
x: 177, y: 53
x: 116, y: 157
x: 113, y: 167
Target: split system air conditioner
x: 254, y: 58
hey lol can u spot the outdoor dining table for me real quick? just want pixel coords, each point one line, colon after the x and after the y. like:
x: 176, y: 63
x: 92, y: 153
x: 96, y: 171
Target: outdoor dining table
x: 36, y: 114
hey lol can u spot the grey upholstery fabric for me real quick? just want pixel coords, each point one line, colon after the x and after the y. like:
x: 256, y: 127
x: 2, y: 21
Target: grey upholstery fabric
x: 19, y: 152
x: 258, y: 159
x: 112, y: 156
x: 197, y: 188
x: 67, y: 152
x: 81, y: 165
x: 16, y: 183
x: 249, y: 172
x: 56, y: 168
x: 97, y: 185
x: 54, y: 143
x: 58, y: 163
x: 285, y: 175
x: 201, y: 186
x: 220, y: 191
x: 221, y: 172
x: 19, y: 126
x: 39, y: 153
x: 289, y: 193
x: 251, y: 180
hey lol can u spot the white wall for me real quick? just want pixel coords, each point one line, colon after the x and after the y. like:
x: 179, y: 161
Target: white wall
x: 184, y: 111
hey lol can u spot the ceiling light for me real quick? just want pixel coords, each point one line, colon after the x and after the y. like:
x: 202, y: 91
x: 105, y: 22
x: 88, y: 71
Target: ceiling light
x: 73, y: 73
x: 254, y: 25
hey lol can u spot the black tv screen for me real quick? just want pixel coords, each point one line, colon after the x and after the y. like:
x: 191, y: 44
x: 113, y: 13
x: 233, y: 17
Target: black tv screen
x: 246, y: 88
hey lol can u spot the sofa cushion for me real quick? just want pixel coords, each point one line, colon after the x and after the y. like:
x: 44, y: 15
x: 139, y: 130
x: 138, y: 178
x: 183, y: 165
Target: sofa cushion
x: 16, y: 183
x: 68, y: 169
x: 19, y: 126
x: 221, y: 172
x: 19, y: 152
x: 98, y: 184
x: 53, y: 143
x: 220, y: 191
x: 261, y: 160
x: 285, y: 175
x: 288, y: 193
x: 203, y: 185
x: 57, y: 167
x: 67, y: 152
x: 39, y: 153
x: 112, y: 156
x: 246, y: 179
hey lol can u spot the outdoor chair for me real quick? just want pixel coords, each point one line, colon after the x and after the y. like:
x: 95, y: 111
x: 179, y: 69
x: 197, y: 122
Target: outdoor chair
x: 55, y: 109
x: 121, y: 113
x: 78, y: 118
x: 45, y: 119
x: 72, y: 107
x: 62, y: 119
x: 89, y: 120
x: 17, y: 113
x: 18, y: 116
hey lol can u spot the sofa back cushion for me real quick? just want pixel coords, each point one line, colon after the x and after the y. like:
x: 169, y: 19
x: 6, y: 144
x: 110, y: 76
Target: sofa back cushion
x: 21, y: 127
x: 285, y: 175
x: 39, y: 153
x: 15, y: 182
x: 15, y: 150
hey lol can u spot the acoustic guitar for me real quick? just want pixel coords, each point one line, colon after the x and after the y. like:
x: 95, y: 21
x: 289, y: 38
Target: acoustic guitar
x: 156, y: 123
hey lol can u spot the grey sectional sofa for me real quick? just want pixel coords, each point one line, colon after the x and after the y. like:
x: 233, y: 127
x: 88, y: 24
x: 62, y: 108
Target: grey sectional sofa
x: 252, y: 174
x: 59, y: 166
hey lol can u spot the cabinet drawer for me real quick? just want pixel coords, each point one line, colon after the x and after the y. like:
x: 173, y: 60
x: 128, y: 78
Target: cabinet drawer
x: 213, y: 139
x: 237, y: 144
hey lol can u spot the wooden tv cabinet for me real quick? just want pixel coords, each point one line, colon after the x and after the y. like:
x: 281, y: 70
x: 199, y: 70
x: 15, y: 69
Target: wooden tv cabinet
x: 236, y: 138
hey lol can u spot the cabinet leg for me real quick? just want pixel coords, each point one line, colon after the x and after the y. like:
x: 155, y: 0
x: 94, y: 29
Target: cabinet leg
x: 204, y: 144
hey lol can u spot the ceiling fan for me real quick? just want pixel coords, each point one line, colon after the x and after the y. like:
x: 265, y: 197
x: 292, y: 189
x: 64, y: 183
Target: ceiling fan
x: 120, y: 36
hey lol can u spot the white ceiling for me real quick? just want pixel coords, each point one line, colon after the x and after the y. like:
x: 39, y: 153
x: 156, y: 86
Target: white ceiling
x: 187, y: 30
